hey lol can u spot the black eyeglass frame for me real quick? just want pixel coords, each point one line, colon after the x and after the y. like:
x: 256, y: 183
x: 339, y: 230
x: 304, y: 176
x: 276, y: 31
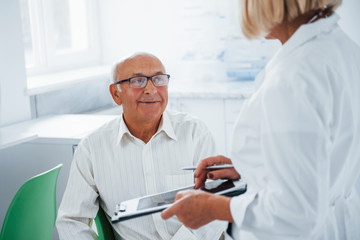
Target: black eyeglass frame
x: 148, y: 78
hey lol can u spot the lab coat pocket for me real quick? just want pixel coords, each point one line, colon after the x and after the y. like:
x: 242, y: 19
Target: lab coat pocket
x: 179, y: 181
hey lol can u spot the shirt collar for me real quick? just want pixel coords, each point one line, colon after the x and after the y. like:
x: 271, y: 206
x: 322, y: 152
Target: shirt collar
x: 305, y: 33
x: 164, y: 126
x: 123, y: 130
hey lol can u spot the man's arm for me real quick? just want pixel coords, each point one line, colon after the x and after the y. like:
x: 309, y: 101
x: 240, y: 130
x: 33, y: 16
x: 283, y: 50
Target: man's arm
x: 80, y: 201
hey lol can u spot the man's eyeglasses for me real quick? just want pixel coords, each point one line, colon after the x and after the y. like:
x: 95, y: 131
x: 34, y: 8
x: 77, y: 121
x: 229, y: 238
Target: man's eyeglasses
x: 141, y: 81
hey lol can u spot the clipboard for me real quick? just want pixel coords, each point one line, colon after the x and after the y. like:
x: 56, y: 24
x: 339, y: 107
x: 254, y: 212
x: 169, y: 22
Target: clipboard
x: 149, y: 204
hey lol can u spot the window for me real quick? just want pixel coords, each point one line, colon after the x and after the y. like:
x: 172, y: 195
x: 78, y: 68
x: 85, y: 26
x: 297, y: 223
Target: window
x: 59, y: 34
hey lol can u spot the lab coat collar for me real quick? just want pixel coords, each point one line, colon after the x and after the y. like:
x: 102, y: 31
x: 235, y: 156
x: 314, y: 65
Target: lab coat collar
x: 164, y: 126
x: 305, y: 33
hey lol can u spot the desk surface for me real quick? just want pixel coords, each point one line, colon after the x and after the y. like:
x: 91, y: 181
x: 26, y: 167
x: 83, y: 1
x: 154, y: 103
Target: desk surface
x: 9, y: 139
x: 68, y: 128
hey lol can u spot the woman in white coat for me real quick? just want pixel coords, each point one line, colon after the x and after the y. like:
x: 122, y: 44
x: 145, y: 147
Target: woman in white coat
x: 297, y: 139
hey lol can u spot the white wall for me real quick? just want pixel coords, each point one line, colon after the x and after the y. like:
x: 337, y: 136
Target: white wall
x: 14, y: 105
x: 349, y: 12
x: 126, y: 27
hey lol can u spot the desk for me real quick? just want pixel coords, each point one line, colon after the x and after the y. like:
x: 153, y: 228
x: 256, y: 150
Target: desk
x: 67, y: 128
x: 12, y: 138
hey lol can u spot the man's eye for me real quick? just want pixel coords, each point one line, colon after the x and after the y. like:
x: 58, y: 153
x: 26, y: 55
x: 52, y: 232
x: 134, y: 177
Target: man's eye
x: 137, y: 80
x: 157, y: 79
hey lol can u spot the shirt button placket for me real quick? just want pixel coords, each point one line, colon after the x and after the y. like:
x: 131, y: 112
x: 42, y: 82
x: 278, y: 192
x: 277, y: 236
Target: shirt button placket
x: 148, y: 168
x: 150, y: 183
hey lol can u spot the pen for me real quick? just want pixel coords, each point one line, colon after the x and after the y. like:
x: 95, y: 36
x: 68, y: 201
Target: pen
x: 213, y: 167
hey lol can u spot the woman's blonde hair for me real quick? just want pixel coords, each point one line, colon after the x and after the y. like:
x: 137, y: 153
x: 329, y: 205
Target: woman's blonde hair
x: 258, y: 17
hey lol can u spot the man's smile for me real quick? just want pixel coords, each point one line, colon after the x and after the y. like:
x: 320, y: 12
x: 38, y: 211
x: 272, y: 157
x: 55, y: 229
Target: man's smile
x: 148, y: 102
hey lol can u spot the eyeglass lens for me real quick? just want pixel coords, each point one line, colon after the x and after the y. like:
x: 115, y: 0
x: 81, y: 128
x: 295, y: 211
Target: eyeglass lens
x: 140, y: 82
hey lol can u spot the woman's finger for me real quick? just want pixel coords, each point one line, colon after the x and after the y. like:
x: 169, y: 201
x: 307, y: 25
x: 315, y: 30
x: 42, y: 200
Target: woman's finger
x: 217, y: 160
x: 229, y: 173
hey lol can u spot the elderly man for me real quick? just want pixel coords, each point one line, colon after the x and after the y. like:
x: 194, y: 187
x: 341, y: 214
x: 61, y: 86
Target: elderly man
x: 138, y: 154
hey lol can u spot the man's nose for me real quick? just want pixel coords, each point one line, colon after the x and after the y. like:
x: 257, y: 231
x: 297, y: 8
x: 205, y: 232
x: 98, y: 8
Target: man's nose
x: 150, y: 88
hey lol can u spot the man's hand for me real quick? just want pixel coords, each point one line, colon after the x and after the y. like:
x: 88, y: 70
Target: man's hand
x: 196, y: 208
x: 201, y: 174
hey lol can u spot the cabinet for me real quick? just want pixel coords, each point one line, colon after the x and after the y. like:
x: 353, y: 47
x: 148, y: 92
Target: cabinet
x: 232, y: 109
x: 210, y: 111
x: 219, y: 112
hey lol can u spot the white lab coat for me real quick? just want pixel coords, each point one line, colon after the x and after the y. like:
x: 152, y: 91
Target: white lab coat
x: 297, y: 141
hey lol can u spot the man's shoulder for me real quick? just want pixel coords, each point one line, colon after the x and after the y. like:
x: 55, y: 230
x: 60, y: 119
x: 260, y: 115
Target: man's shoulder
x: 107, y: 129
x: 185, y: 120
x: 181, y: 117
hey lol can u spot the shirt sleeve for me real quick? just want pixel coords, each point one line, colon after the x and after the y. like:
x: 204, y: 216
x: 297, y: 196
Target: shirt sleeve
x: 80, y: 201
x: 294, y: 144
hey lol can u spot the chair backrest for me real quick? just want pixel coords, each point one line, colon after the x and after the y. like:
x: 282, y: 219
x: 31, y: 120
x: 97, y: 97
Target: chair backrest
x: 32, y: 212
x: 103, y: 226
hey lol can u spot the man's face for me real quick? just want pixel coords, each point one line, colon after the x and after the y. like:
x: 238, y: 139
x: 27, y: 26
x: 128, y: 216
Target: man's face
x: 146, y: 104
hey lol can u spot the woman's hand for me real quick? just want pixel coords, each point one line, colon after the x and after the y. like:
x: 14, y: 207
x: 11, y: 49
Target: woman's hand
x: 196, y: 208
x: 201, y: 174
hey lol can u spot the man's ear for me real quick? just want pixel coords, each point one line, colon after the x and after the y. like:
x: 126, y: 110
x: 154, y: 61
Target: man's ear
x: 115, y: 93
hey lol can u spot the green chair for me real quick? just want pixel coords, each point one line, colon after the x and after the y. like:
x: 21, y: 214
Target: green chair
x: 32, y: 212
x: 103, y: 226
